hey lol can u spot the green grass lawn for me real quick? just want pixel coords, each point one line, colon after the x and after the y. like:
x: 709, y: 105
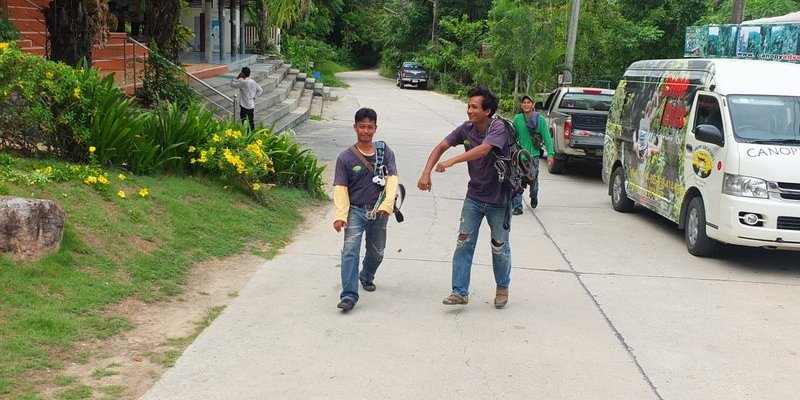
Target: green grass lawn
x: 114, y: 248
x: 328, y: 69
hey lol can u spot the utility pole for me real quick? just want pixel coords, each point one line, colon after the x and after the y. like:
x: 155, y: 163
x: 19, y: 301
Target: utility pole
x: 572, y: 35
x: 221, y: 25
x: 738, y: 12
x: 433, y: 25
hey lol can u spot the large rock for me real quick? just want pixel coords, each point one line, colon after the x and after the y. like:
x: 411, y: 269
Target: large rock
x: 30, y: 227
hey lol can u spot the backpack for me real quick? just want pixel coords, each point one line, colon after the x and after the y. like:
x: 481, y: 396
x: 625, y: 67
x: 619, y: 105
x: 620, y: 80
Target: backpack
x: 533, y: 130
x: 381, y: 171
x: 514, y: 169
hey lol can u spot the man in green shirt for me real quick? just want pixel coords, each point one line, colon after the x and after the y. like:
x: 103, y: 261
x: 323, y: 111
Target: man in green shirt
x: 532, y: 131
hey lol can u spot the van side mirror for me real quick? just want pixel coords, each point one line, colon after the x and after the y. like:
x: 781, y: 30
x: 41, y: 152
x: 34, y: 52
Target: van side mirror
x: 538, y: 105
x: 709, y: 134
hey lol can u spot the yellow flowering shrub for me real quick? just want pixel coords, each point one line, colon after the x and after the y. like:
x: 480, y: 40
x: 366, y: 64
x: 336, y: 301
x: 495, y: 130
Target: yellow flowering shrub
x: 49, y: 107
x: 241, y: 157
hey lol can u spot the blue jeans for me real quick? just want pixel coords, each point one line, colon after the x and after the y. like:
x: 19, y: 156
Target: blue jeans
x: 472, y: 214
x: 516, y: 200
x: 358, y: 225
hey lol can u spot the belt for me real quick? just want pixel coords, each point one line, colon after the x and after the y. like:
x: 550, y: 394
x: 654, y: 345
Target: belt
x: 366, y: 206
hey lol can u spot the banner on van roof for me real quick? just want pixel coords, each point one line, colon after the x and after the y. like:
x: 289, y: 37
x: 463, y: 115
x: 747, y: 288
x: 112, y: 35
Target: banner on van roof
x: 769, y: 41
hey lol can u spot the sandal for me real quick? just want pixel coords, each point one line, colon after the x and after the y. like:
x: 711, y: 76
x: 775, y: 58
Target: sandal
x: 455, y: 299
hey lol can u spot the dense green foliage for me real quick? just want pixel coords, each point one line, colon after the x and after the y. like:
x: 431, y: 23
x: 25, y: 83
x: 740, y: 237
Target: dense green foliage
x: 49, y: 105
x: 513, y: 45
x: 7, y: 30
x: 720, y: 12
x: 55, y: 110
x: 164, y: 81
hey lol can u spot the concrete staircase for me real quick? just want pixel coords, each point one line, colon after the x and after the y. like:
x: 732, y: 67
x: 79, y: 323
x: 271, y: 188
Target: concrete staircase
x: 27, y: 16
x: 287, y: 99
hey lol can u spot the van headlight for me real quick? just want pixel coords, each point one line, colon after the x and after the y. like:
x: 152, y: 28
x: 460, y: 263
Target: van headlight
x: 745, y: 186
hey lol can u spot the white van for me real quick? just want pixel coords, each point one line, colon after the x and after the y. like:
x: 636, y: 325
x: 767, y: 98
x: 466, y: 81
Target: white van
x: 711, y: 144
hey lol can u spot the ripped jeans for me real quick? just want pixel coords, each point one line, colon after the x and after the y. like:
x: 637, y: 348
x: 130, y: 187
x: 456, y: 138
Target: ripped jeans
x: 472, y: 214
x: 375, y: 233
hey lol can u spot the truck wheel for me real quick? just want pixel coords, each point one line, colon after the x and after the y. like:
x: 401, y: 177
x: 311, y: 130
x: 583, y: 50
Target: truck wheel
x: 619, y: 197
x: 697, y: 242
x: 559, y: 162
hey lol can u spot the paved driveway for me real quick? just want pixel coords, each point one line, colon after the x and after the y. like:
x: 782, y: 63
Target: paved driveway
x: 602, y: 305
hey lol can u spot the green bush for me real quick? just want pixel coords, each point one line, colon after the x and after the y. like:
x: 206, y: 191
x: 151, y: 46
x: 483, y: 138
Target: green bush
x: 506, y: 105
x: 7, y: 30
x: 116, y: 131
x: 52, y: 109
x: 293, y: 165
x: 167, y: 133
x: 164, y: 83
x: 48, y: 107
x: 299, y: 52
x: 258, y: 158
x: 328, y: 70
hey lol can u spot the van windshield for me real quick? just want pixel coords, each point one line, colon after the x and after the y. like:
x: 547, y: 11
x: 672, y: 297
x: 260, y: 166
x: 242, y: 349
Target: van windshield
x: 586, y: 101
x: 766, y: 119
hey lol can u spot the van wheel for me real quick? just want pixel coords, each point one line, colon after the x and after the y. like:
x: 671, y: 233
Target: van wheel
x: 697, y: 242
x: 559, y: 162
x: 619, y: 197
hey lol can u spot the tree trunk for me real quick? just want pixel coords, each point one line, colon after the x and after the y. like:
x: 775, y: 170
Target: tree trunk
x: 72, y: 29
x: 516, y: 88
x: 161, y: 21
x: 261, y: 10
x: 738, y: 12
x: 434, y: 39
x: 528, y: 84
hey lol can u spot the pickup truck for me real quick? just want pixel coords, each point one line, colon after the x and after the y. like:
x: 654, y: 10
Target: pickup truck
x: 576, y: 117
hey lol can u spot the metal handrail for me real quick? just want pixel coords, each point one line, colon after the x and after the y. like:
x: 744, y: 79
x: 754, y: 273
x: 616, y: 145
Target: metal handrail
x: 232, y: 101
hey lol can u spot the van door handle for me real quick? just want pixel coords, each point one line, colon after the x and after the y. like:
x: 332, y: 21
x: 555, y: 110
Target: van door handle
x: 689, y: 148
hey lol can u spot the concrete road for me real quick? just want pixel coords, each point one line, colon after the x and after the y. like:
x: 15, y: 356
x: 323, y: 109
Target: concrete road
x: 602, y: 305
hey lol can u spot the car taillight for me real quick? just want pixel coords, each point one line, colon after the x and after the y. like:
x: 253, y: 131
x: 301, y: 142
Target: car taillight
x: 567, y: 129
x: 592, y: 91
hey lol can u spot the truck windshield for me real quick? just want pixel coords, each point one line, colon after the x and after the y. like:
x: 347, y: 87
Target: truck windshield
x: 766, y: 119
x: 586, y: 101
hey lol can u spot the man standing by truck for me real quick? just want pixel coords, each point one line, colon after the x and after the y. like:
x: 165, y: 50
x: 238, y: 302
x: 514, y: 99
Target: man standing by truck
x: 532, y: 132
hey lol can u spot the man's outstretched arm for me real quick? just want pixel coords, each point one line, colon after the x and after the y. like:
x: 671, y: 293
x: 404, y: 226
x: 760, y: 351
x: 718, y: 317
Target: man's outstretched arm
x: 424, y: 182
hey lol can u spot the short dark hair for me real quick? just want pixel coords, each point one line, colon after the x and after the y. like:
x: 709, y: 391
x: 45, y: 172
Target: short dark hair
x: 246, y: 71
x: 366, y: 113
x: 489, y: 99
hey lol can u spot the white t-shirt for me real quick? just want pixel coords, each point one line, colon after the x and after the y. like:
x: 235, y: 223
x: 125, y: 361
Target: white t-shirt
x: 248, y: 91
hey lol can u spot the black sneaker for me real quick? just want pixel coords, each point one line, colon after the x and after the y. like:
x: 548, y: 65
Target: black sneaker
x: 517, y: 211
x: 368, y: 285
x: 346, y: 304
x: 534, y: 202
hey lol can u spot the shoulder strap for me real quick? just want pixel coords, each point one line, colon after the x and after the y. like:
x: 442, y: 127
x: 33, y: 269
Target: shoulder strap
x: 380, y: 156
x: 380, y: 152
x: 363, y: 160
